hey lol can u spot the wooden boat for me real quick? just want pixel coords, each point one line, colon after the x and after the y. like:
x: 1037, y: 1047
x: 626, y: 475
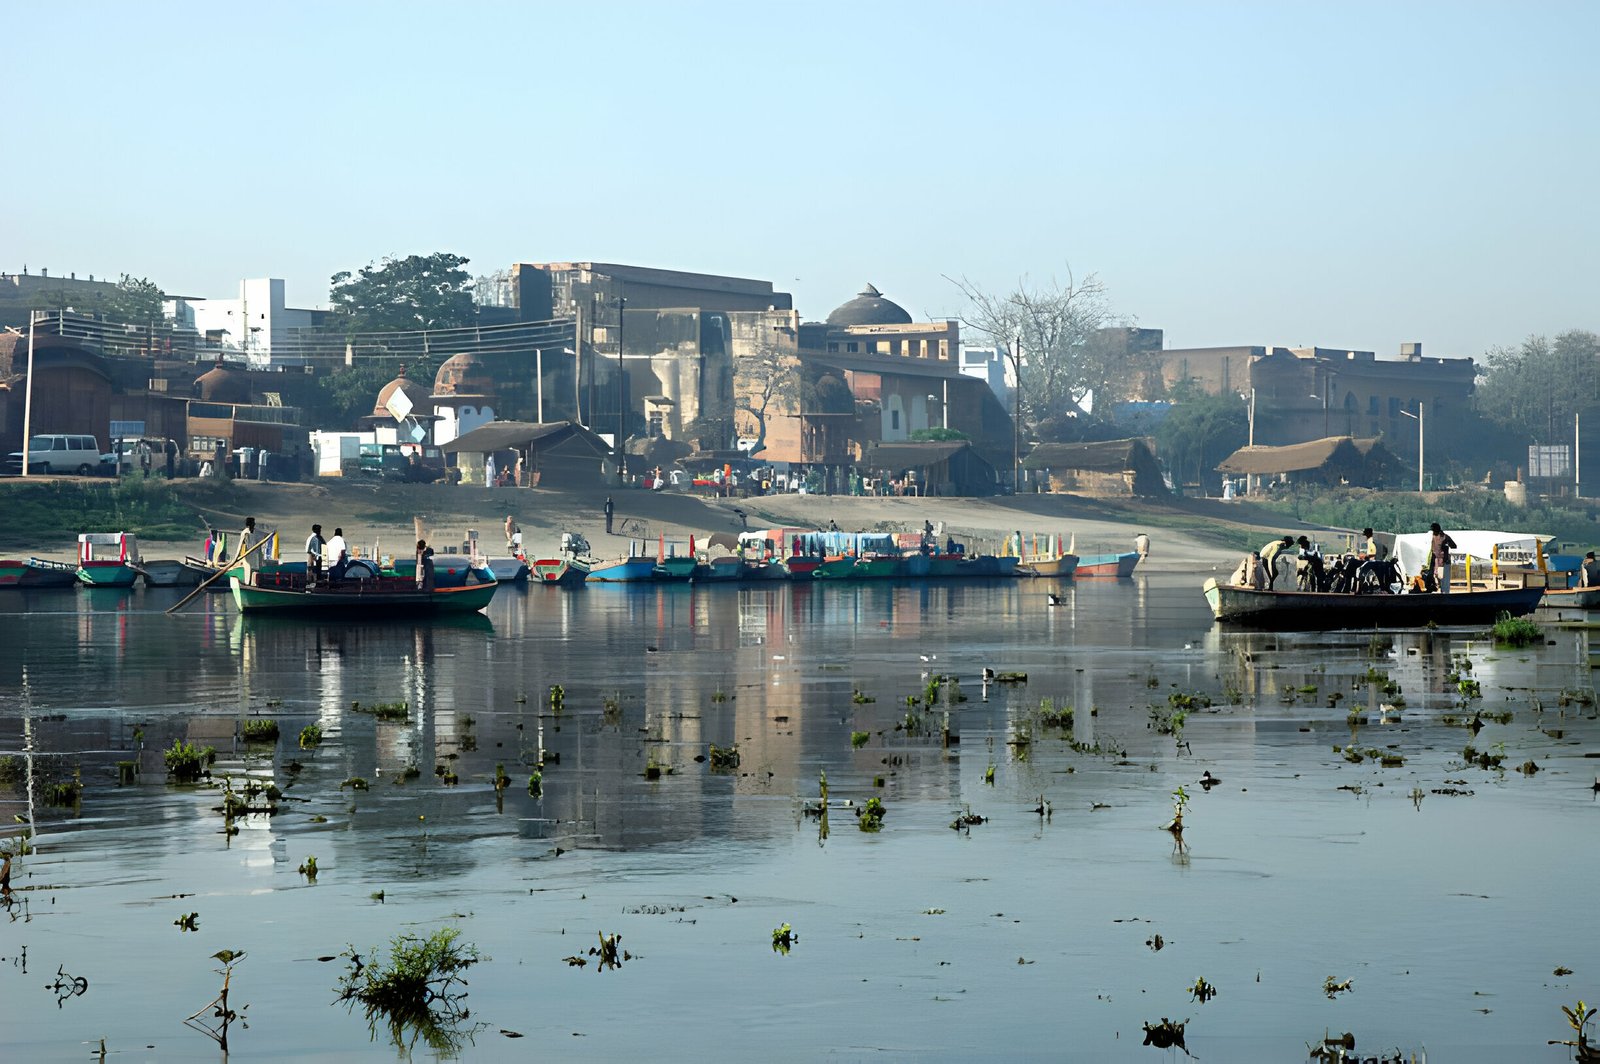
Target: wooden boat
x: 1326, y: 609
x: 1107, y: 564
x: 1575, y: 598
x: 449, y: 570
x: 559, y: 572
x: 725, y: 568
x: 1061, y: 567
x: 916, y: 565
x: 834, y: 567
x: 36, y: 572
x: 635, y: 570
x: 511, y: 570
x: 168, y: 572
x: 942, y: 565
x: 381, y: 596
x: 877, y: 567
x: 802, y: 566
x: 108, y: 559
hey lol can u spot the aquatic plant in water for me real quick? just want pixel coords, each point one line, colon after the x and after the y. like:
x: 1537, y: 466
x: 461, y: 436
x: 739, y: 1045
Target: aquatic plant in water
x: 1578, y: 1018
x: 310, y: 735
x: 858, y: 739
x: 419, y: 990
x: 186, y: 761
x: 1202, y: 991
x: 871, y: 816
x: 783, y: 939
x: 1516, y: 631
x: 724, y: 758
x: 259, y: 730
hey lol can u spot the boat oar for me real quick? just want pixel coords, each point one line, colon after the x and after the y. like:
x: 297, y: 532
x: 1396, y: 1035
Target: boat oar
x: 207, y: 582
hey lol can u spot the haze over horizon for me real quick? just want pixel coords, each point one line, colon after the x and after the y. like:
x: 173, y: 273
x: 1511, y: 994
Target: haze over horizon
x: 1353, y: 176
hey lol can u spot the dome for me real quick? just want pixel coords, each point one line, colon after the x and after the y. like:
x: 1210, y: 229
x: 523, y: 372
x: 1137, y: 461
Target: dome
x: 220, y: 384
x: 869, y: 308
x: 461, y: 375
x: 421, y: 401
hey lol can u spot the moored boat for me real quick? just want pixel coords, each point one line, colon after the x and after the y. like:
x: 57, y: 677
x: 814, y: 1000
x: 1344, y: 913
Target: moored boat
x: 36, y: 572
x: 512, y: 570
x: 169, y: 572
x: 559, y: 572
x: 1578, y: 598
x: 633, y: 570
x: 834, y: 567
x: 108, y: 559
x: 1327, y: 609
x: 381, y: 596
x: 1107, y: 564
x: 1062, y: 566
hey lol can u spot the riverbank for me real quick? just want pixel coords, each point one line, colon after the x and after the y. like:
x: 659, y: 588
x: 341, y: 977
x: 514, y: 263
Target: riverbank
x: 1186, y: 534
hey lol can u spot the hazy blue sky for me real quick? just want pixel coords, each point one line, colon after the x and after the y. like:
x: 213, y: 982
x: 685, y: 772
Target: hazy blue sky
x: 1341, y: 174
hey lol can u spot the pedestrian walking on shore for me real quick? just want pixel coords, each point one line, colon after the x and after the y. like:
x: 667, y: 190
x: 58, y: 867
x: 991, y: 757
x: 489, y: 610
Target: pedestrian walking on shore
x: 609, y: 511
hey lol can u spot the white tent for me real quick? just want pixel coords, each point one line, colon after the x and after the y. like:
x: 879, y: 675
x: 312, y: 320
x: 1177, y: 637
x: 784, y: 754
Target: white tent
x: 1514, y: 548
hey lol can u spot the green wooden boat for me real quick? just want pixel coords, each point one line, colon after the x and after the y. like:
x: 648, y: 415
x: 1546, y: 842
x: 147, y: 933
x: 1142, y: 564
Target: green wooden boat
x: 876, y: 567
x: 674, y: 569
x: 380, y: 596
x: 835, y: 568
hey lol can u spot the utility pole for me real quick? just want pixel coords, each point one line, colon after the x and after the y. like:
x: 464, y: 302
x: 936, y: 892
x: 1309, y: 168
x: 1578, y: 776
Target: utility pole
x: 622, y: 453
x: 27, y: 401
x: 1016, y: 418
x: 577, y: 365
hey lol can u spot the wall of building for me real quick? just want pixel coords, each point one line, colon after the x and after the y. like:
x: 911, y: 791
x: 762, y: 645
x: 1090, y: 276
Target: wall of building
x: 271, y: 322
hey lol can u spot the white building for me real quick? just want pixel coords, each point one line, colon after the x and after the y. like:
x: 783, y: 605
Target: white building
x: 991, y: 366
x: 254, y: 324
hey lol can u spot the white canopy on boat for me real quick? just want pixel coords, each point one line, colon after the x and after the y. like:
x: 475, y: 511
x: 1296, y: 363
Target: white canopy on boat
x: 1515, y: 548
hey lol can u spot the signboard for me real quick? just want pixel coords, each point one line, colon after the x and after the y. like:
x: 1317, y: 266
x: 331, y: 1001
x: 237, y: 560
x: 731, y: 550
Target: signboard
x: 127, y: 430
x: 399, y: 405
x: 1549, y: 461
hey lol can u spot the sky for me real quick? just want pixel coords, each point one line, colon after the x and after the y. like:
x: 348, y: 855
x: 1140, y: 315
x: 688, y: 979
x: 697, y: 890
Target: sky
x: 1352, y: 175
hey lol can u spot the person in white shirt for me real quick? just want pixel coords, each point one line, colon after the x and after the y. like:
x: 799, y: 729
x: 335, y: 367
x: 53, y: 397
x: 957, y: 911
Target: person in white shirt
x: 337, y: 555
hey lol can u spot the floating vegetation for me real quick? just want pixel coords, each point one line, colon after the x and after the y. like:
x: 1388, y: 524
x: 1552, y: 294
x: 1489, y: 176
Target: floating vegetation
x: 1180, y: 802
x: 1202, y: 991
x: 384, y: 710
x: 1578, y: 1018
x: 1516, y: 631
x: 64, y: 793
x: 783, y: 939
x: 719, y: 695
x: 1469, y: 688
x: 187, y: 922
x: 1308, y: 689
x: 186, y: 762
x: 1482, y: 758
x: 310, y: 736
x: 126, y: 771
x: 724, y: 758
x: 1333, y: 1049
x: 536, y: 785
x: 870, y: 818
x: 861, y: 698
x: 654, y: 770
x: 966, y: 819
x: 1011, y: 677
x: 988, y: 774
x: 1166, y: 1035
x: 1528, y: 768
x: 1099, y: 748
x: 558, y: 698
x: 1156, y: 943
x: 309, y: 869
x: 260, y: 730
x: 858, y: 739
x: 1333, y: 988
x: 1053, y: 717
x: 610, y: 952
x: 419, y: 991
x: 501, y: 780
x: 355, y: 783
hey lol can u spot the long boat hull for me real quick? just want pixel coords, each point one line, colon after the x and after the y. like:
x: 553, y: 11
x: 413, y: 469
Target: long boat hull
x: 381, y: 596
x: 1064, y: 566
x: 558, y: 572
x: 107, y: 574
x: 168, y: 573
x: 1577, y: 598
x: 33, y: 572
x: 635, y: 570
x: 674, y: 570
x: 1107, y: 564
x: 1325, y: 609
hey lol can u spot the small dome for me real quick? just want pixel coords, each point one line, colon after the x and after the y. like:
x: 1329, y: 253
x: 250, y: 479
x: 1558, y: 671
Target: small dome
x: 220, y: 384
x: 462, y: 374
x: 869, y: 308
x: 421, y: 401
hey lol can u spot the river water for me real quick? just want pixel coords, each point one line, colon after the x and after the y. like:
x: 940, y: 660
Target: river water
x: 1447, y: 895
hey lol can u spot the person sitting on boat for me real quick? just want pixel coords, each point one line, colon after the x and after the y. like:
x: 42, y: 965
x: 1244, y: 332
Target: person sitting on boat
x: 1310, y: 571
x: 1589, y: 571
x: 337, y: 555
x: 1269, y: 557
x: 425, y: 574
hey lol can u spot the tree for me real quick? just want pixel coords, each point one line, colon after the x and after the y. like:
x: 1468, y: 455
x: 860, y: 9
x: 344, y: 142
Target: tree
x: 1200, y: 431
x: 346, y: 395
x: 1535, y: 389
x: 136, y: 300
x: 1064, y: 365
x: 416, y: 292
x: 758, y: 380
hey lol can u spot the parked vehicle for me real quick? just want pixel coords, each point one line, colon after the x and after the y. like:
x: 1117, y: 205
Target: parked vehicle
x: 55, y: 454
x: 401, y: 461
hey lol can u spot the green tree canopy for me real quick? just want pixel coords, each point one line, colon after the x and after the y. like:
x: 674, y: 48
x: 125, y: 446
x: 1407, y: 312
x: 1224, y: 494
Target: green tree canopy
x: 416, y: 292
x: 1200, y: 431
x: 1535, y: 389
x: 346, y: 395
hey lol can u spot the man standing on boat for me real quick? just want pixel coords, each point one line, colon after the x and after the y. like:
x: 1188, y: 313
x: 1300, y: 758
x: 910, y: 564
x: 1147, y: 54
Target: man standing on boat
x: 425, y: 574
x: 1269, y: 557
x: 1439, y: 548
x: 337, y: 554
x: 314, y: 544
x: 1589, y: 573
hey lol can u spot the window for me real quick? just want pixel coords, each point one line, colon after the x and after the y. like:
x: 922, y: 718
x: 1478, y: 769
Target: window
x: 833, y: 345
x: 894, y: 420
x: 852, y: 347
x: 656, y: 423
x: 1394, y: 407
x: 1372, y: 405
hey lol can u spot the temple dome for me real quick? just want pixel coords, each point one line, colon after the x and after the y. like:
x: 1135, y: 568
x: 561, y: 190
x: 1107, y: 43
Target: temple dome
x: 869, y: 308
x: 220, y: 384
x: 421, y: 401
x: 462, y: 375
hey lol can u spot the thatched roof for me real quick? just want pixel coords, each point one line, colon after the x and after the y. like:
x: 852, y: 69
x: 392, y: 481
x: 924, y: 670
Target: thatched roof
x: 1295, y: 458
x: 912, y: 455
x: 1106, y: 456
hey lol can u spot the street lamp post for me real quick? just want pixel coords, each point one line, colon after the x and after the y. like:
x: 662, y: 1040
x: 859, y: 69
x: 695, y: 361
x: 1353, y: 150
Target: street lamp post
x: 1016, y: 417
x: 622, y: 452
x: 27, y: 401
x: 1418, y: 417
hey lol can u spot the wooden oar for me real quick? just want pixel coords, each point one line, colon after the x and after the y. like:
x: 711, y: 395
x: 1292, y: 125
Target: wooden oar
x: 207, y: 582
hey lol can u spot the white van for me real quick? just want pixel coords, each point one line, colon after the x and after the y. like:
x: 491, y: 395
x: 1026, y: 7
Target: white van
x: 59, y: 454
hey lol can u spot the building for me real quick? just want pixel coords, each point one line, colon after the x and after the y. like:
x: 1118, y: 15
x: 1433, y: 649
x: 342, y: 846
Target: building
x: 463, y: 397
x: 1105, y: 469
x: 1335, y: 460
x: 253, y: 325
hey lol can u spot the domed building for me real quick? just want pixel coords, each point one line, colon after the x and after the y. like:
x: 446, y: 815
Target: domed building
x: 463, y: 397
x: 418, y: 408
x: 220, y: 384
x: 869, y: 307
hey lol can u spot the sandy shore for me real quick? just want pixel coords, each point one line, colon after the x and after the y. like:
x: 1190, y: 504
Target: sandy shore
x: 1184, y: 532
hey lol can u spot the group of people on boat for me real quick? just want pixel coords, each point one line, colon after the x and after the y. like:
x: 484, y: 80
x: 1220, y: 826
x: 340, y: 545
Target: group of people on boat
x: 1366, y: 569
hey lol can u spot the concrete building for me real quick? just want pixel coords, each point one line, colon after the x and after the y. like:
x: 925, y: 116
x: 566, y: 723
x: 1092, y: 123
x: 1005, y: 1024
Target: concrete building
x: 253, y: 325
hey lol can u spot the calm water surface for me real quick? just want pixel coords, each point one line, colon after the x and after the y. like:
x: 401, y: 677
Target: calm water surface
x: 1024, y: 937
